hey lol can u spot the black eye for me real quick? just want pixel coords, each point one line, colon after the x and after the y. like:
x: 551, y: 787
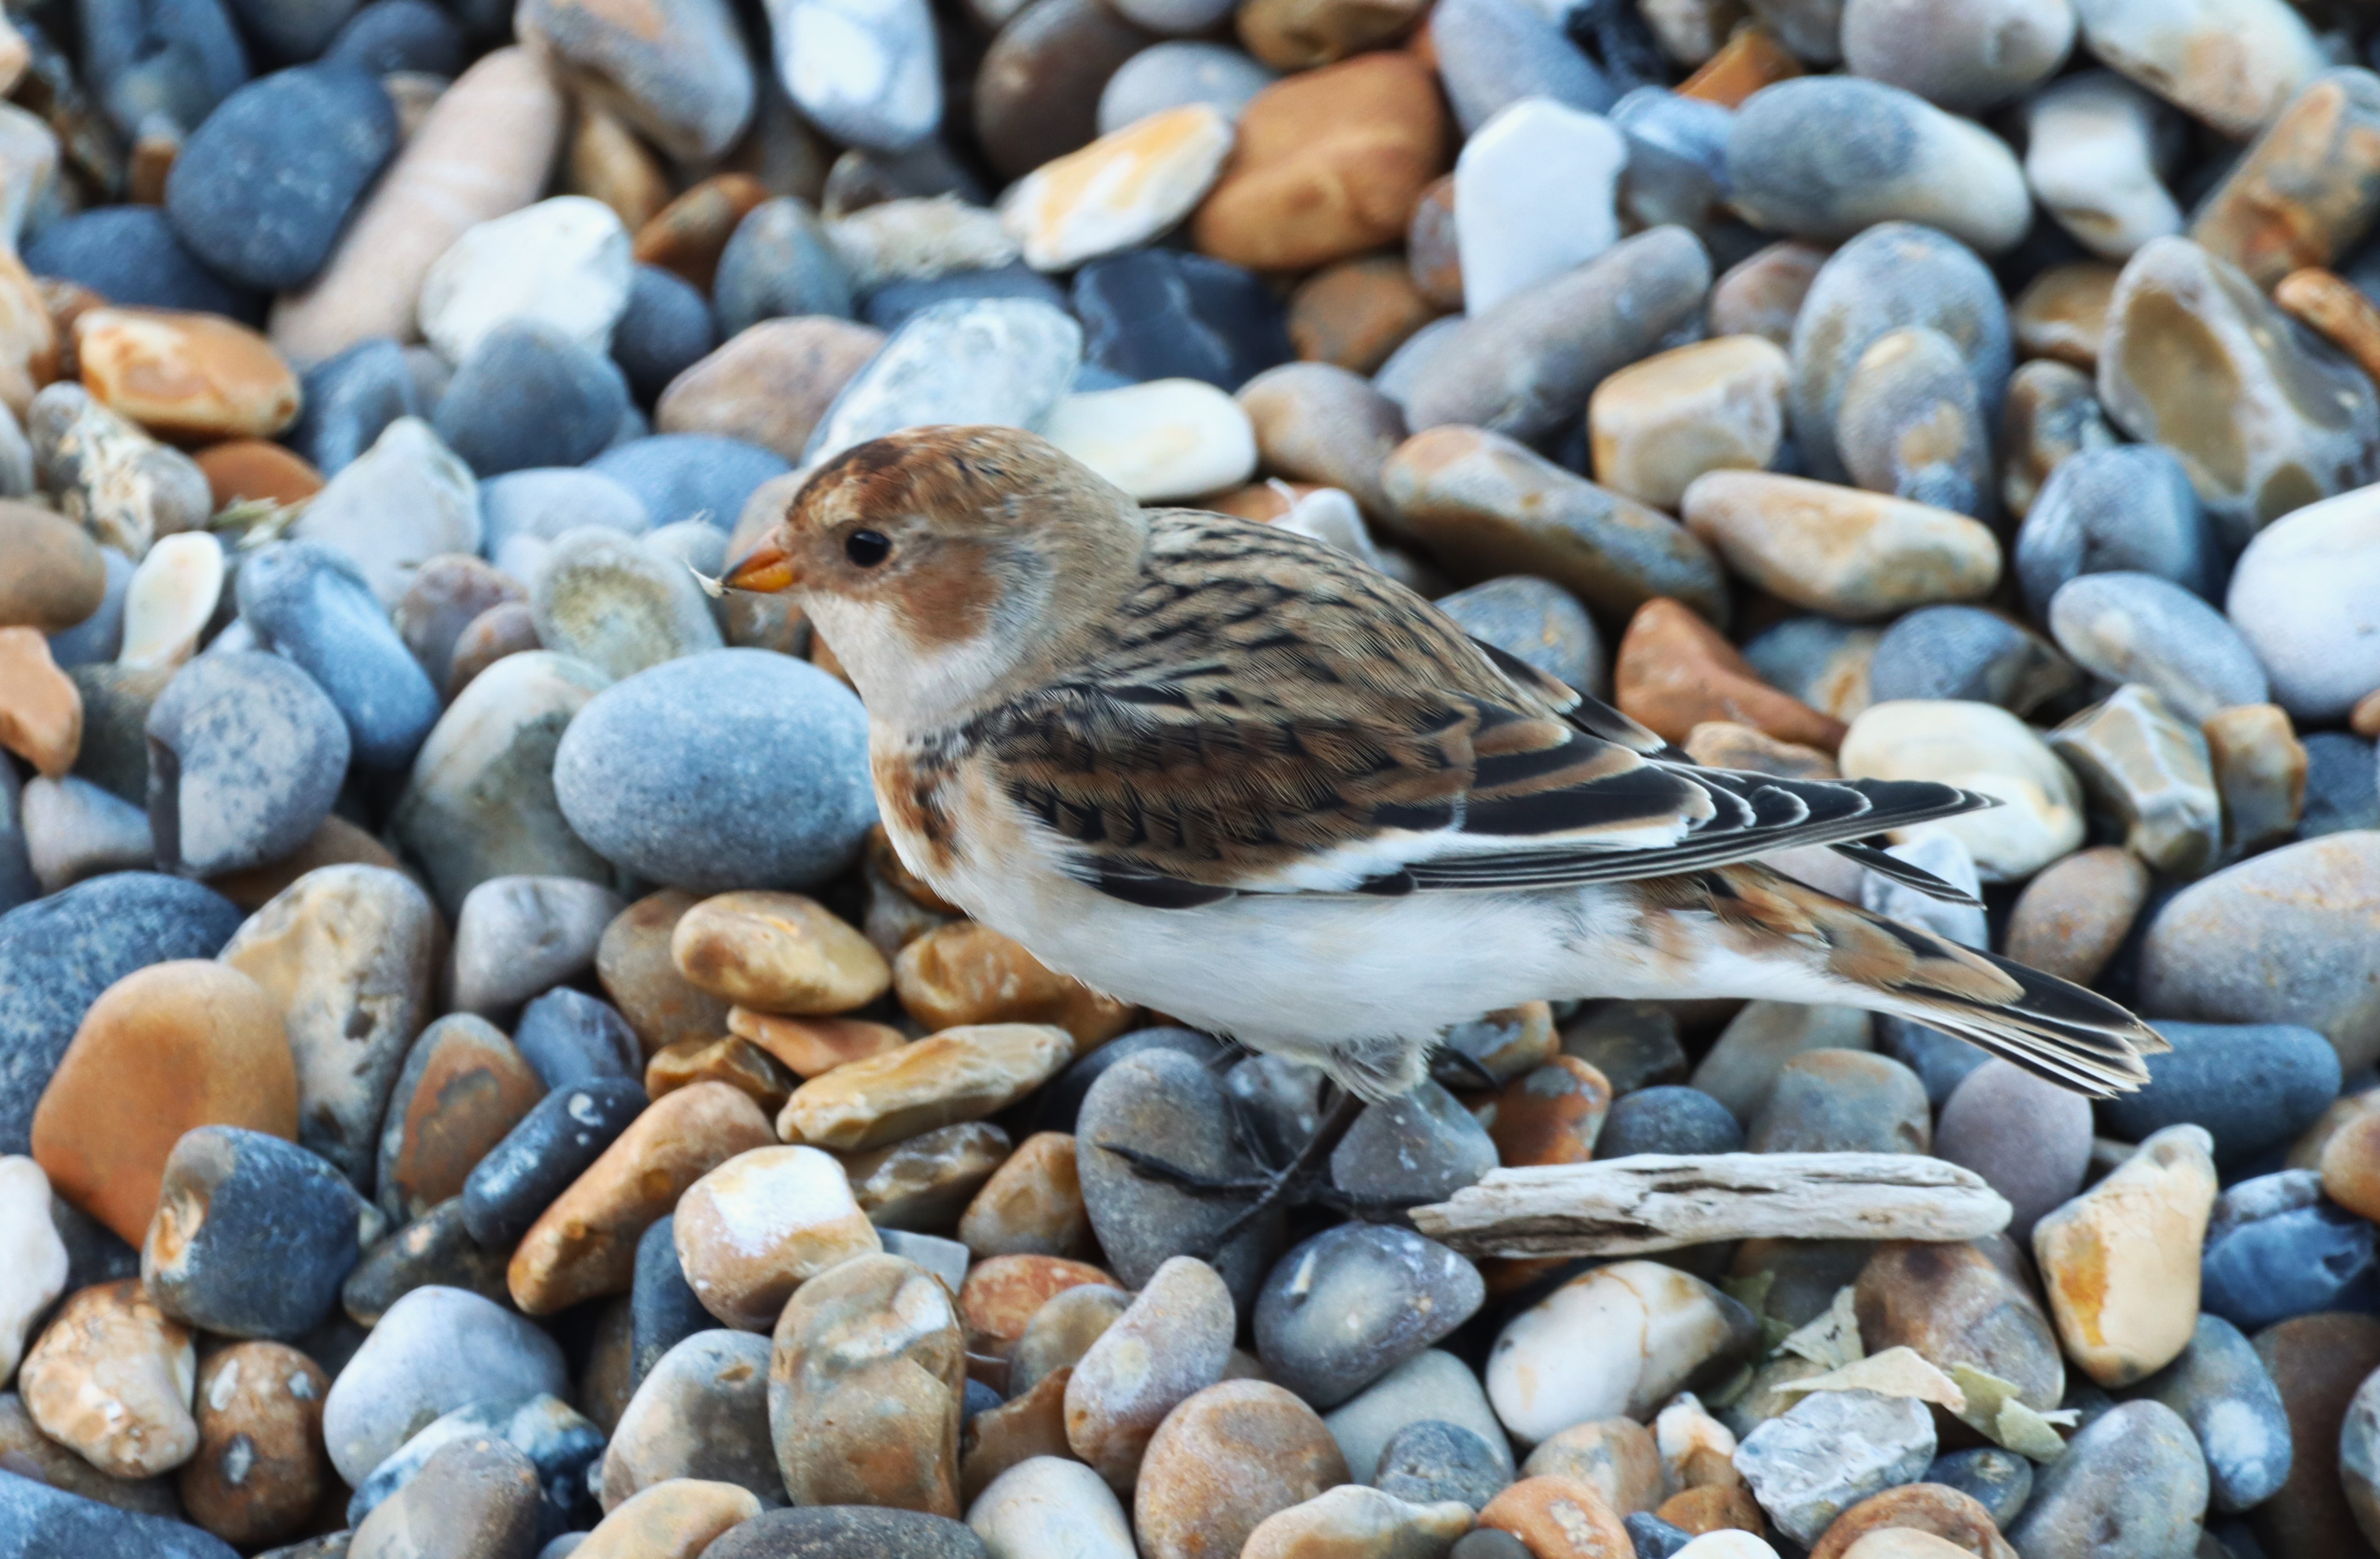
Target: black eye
x: 867, y: 548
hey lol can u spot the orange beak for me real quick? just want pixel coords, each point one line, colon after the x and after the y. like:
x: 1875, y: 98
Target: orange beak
x: 766, y: 571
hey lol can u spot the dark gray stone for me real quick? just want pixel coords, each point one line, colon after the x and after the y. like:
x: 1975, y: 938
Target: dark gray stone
x: 294, y: 30
x: 131, y: 255
x: 246, y: 755
x: 309, y: 605
x: 2275, y: 1249
x: 890, y: 305
x: 1535, y: 620
x: 2254, y: 1086
x: 1431, y: 1461
x: 529, y: 394
x: 557, y: 1439
x: 1970, y: 653
x: 1060, y: 1101
x: 847, y: 1532
x: 349, y: 400
x: 569, y: 1038
x: 436, y: 1250
x: 1669, y: 1120
x: 665, y: 331
x: 1999, y: 1480
x: 2342, y: 788
x: 1353, y: 1303
x: 537, y: 1161
x: 173, y: 58
x: 2131, y: 1485
x: 1422, y: 1147
x: 393, y: 35
x: 1158, y: 313
x: 40, y: 1522
x: 779, y: 263
x: 254, y: 1235
x: 662, y: 1310
x: 1654, y: 1537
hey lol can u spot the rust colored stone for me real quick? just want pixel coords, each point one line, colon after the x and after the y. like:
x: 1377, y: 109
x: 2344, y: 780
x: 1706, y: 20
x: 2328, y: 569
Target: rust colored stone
x: 1357, y: 312
x: 1550, y: 1115
x: 689, y: 235
x: 967, y: 973
x: 1675, y: 671
x: 1744, y: 63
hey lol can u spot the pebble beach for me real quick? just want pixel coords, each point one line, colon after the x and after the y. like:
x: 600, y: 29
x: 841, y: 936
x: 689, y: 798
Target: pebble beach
x: 476, y: 1081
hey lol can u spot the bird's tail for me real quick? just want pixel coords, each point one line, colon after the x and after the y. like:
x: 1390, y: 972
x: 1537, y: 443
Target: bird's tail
x: 2075, y: 1038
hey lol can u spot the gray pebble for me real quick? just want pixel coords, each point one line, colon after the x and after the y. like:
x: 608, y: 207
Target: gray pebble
x: 1353, y: 1303
x: 247, y: 756
x: 312, y: 607
x: 2221, y: 1390
x: 2138, y: 627
x: 436, y: 1349
x: 1421, y: 1147
x: 2131, y: 1485
x: 2125, y: 509
x: 1433, y: 1460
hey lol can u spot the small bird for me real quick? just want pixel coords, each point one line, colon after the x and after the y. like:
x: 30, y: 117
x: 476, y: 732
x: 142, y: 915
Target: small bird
x: 1234, y: 775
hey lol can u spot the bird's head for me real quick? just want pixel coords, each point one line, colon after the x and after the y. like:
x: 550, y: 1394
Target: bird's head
x: 940, y: 561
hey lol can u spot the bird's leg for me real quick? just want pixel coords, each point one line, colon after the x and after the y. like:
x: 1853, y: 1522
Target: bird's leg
x: 1463, y: 1061
x: 1296, y: 1185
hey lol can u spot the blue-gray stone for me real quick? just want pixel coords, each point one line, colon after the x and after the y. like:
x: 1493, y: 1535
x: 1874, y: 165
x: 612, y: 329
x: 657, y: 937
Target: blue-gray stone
x: 1423, y: 1146
x: 59, y: 954
x: 260, y: 190
x: 256, y: 1235
x: 294, y: 30
x: 311, y: 606
x: 40, y: 1522
x: 777, y: 263
x: 2129, y: 508
x: 531, y: 394
x: 1652, y: 1537
x: 1967, y: 653
x: 1537, y: 621
x: 1894, y: 275
x: 433, y: 1250
x: 662, y: 1310
x: 1161, y: 313
x: 2223, y: 1394
x: 1353, y: 1303
x: 2342, y: 788
x: 2252, y: 1085
x: 979, y: 1398
x: 133, y: 256
x: 393, y: 35
x: 1670, y: 1119
x: 1676, y: 158
x: 568, y: 1038
x: 99, y: 636
x: 1056, y: 1104
x: 538, y: 1159
x: 18, y: 883
x: 1003, y: 362
x: 728, y: 769
x: 690, y: 476
x: 1999, y: 1480
x: 665, y: 329
x: 890, y: 305
x: 559, y: 1440
x: 1493, y: 52
x: 848, y: 1531
x: 246, y: 755
x: 2134, y: 1473
x: 349, y: 400
x: 1941, y: 1061
x: 172, y: 58
x: 1430, y: 1461
x: 542, y: 503
x: 2275, y: 1249
x: 1809, y: 656
x: 2138, y: 627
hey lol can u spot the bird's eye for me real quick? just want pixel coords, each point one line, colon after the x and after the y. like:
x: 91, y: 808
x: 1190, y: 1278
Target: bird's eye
x: 867, y: 548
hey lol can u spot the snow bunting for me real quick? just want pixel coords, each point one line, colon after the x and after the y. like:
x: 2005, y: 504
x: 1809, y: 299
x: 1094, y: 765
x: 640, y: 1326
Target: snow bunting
x: 1232, y: 774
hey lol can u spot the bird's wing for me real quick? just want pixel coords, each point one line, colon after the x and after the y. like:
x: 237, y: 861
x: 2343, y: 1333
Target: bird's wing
x: 1267, y: 715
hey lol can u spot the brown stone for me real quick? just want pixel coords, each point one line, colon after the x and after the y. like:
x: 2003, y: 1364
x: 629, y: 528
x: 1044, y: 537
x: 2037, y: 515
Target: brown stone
x: 1032, y: 1424
x: 463, y: 1088
x: 1675, y: 671
x: 41, y: 713
x: 1032, y: 1205
x: 1354, y: 314
x: 1717, y: 404
x: 1551, y: 1115
x: 968, y: 973
x: 1714, y: 1507
x: 50, y: 573
x: 29, y: 335
x: 633, y: 962
x: 1037, y: 92
x: 2306, y: 191
x: 165, y: 1048
x: 260, y: 1467
x: 1330, y: 163
x: 606, y: 160
x: 730, y: 1059
x: 2333, y: 308
x: 1761, y: 294
x: 2364, y: 719
x: 807, y: 1046
x: 1723, y: 744
x: 27, y: 1451
x: 448, y: 591
x: 675, y: 1519
x: 689, y: 235
x: 1432, y: 257
x: 2317, y: 1361
x: 1001, y: 1296
x: 1962, y: 1304
x: 1750, y: 60
x: 2350, y: 1163
x: 1300, y: 34
x: 777, y: 952
x: 336, y: 842
x: 585, y: 1244
x: 1558, y: 1518
x: 925, y: 1183
x: 958, y: 1075
x: 185, y: 375
x: 1225, y: 1459
x: 1263, y: 502
x: 864, y: 1384
x: 111, y: 1379
x: 507, y: 628
x: 758, y: 1226
x: 771, y: 384
x: 1062, y: 1331
x: 1320, y: 423
x: 2062, y: 313
x: 245, y: 470
x: 2076, y: 913
x: 2053, y: 412
x: 1934, y: 1508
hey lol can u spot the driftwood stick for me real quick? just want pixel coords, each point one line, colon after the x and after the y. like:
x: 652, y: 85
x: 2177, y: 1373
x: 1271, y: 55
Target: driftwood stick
x: 1660, y: 1202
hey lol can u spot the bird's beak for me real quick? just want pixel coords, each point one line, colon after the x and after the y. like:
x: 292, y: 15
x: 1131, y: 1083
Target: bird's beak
x: 767, y: 570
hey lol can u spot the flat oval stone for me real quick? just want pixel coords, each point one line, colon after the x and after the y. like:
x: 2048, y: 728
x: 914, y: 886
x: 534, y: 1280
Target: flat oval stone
x: 1826, y: 157
x: 665, y: 772
x: 2251, y: 1085
x: 1176, y: 72
x: 1169, y: 439
x: 966, y: 973
x: 1429, y: 1387
x: 1433, y: 1461
x: 257, y: 753
x: 960, y: 1073
x: 2125, y: 509
x: 1656, y: 425
x: 1842, y: 1101
x: 561, y: 1136
x: 1346, y: 1307
x: 1223, y: 1461
x: 1048, y: 1504
x: 2029, y: 1140
x: 1535, y: 620
x: 2219, y: 1387
x: 253, y: 1234
x: 310, y: 605
x: 1837, y: 550
x: 436, y: 1349
x: 1963, y: 55
x: 1912, y: 425
x: 1620, y: 1339
x: 2138, y: 627
x: 2133, y: 1476
x: 51, y: 574
x: 2091, y: 159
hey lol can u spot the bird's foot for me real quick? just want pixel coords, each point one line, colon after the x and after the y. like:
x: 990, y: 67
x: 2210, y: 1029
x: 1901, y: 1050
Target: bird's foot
x: 1452, y: 1058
